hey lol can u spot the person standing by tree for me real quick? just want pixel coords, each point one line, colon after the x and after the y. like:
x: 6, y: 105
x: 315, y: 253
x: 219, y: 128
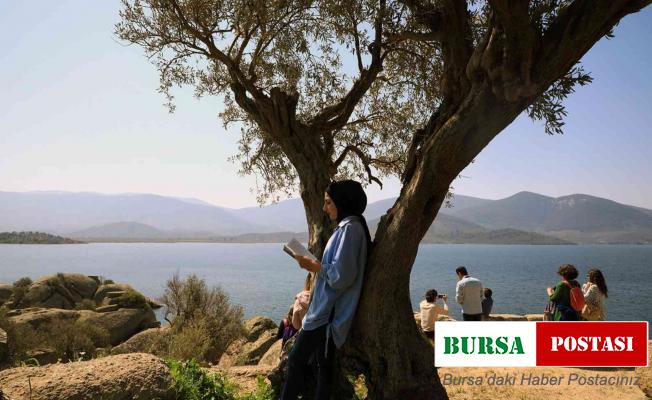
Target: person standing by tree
x: 337, y: 287
x: 469, y: 294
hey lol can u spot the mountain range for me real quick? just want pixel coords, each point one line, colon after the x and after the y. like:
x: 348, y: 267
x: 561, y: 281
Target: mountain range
x: 522, y: 218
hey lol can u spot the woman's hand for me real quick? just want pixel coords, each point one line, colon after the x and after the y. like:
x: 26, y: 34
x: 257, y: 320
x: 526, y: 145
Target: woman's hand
x: 308, y: 263
x: 550, y: 291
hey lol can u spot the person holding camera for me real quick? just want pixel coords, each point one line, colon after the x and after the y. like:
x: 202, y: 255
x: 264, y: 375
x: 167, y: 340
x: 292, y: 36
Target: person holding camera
x: 430, y: 310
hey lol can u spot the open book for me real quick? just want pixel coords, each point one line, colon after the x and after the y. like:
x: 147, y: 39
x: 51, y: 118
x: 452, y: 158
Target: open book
x: 295, y: 248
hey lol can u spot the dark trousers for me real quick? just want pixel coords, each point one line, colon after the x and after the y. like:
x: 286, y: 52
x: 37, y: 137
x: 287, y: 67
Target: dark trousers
x: 309, y: 344
x: 472, y: 317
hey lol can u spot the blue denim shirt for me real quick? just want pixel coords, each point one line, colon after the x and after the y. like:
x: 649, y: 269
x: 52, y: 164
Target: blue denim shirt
x: 338, y: 284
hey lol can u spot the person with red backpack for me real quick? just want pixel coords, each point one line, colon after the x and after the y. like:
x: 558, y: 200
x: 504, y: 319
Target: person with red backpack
x: 567, y: 296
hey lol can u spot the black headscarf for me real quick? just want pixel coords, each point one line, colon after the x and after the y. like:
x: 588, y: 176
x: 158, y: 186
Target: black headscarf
x: 350, y: 199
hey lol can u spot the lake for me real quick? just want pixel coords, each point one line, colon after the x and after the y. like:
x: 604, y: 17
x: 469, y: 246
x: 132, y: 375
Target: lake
x: 263, y: 279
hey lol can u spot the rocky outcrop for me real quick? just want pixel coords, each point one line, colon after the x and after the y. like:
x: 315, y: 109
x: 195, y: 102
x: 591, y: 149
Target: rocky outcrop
x: 147, y: 341
x: 123, y: 323
x: 121, y: 377
x: 492, y: 317
x: 59, y: 291
x: 120, y: 324
x: 507, y: 317
x: 261, y: 335
x: 68, y: 291
x: 417, y: 318
x: 273, y: 355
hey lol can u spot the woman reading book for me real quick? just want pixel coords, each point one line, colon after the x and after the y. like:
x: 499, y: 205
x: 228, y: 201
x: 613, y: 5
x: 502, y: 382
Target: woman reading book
x: 337, y: 287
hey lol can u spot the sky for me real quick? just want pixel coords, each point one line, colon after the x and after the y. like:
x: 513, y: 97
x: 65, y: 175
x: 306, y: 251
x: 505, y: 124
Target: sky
x: 80, y: 111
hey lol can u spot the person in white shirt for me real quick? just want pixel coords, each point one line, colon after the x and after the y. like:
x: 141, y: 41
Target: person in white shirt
x: 430, y: 310
x: 469, y: 294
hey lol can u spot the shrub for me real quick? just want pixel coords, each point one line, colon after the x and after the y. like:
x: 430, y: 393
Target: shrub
x: 108, y: 282
x: 86, y: 304
x: 193, y: 341
x: 131, y: 299
x: 208, y: 311
x: 21, y: 286
x: 263, y: 391
x: 20, y: 339
x: 191, y: 382
x: 75, y: 340
x: 25, y: 281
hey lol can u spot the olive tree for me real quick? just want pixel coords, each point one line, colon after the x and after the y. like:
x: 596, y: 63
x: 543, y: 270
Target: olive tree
x: 323, y: 89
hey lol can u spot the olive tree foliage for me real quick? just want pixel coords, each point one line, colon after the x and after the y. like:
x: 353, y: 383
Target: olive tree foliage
x: 352, y: 91
x: 363, y: 76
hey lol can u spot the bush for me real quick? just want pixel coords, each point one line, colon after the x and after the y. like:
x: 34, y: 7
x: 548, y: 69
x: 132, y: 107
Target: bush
x: 86, y: 304
x: 76, y: 340
x: 20, y: 288
x: 108, y: 282
x: 70, y: 340
x: 131, y: 299
x: 193, y: 341
x: 191, y: 382
x: 20, y: 339
x: 194, y: 310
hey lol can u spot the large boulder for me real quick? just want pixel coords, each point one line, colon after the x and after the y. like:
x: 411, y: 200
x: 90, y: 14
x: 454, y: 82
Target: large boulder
x: 59, y: 291
x: 37, y: 317
x: 6, y: 290
x: 273, y: 355
x: 121, y: 324
x: 257, y: 325
x: 261, y: 335
x: 147, y: 341
x: 105, y: 292
x: 121, y: 377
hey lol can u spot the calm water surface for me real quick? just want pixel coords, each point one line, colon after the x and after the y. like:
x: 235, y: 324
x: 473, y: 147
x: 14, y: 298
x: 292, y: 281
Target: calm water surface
x: 264, y: 279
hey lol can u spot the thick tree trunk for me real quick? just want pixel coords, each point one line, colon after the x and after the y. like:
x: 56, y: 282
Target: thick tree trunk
x: 385, y: 343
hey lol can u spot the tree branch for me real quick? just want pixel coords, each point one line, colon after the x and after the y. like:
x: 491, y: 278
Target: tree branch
x: 514, y: 73
x: 575, y: 29
x: 335, y: 117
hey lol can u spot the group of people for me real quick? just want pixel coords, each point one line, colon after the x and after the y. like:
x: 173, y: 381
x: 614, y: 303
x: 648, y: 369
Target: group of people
x: 571, y: 302
x: 568, y: 300
x: 476, y: 302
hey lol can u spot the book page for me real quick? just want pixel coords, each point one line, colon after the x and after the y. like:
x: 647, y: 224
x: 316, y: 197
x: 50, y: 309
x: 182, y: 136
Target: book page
x: 298, y: 249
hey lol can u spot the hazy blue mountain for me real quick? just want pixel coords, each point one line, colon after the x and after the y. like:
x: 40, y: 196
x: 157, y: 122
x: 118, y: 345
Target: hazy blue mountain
x: 286, y: 215
x: 120, y: 230
x: 451, y: 229
x: 578, y: 218
x: 523, y: 210
x: 57, y: 212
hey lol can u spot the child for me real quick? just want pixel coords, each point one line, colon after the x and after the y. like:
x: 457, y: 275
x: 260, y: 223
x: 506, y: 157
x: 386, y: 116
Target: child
x: 487, y: 304
x: 285, y: 328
